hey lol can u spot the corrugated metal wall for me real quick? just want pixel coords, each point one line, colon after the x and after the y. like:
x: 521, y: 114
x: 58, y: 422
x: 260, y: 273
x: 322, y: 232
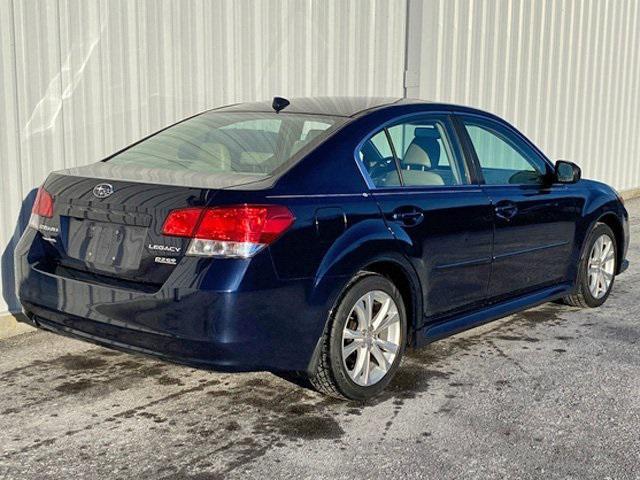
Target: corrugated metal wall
x: 82, y: 78
x: 564, y: 72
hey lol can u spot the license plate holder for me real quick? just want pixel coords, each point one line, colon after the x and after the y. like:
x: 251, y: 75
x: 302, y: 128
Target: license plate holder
x: 106, y: 246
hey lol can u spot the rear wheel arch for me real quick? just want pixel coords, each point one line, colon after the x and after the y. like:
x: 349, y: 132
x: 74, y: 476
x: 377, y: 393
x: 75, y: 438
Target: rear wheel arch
x: 391, y: 265
x: 407, y: 282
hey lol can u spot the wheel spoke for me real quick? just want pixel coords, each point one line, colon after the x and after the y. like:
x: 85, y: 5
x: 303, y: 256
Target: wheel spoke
x: 368, y: 308
x: 382, y: 313
x: 357, y: 368
x: 380, y: 358
x: 352, y: 334
x: 348, y: 350
x: 386, y: 322
x: 361, y: 315
x: 606, y: 248
x: 597, y: 247
x: 366, y: 367
x: 386, y: 346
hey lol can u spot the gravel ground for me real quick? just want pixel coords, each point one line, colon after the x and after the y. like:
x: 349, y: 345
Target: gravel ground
x: 552, y: 392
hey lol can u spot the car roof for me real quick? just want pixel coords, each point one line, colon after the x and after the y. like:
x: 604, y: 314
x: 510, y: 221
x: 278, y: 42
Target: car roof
x: 349, y: 107
x: 332, y: 106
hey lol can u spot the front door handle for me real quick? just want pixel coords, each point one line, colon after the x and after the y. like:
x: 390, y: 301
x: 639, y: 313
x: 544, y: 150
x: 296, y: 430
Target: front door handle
x: 506, y: 210
x: 408, y: 218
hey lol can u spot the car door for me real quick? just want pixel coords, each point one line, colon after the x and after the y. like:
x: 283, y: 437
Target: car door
x: 443, y: 221
x: 534, y: 218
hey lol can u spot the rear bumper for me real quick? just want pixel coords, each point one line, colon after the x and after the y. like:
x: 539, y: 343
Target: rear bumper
x: 228, y: 357
x: 231, y: 316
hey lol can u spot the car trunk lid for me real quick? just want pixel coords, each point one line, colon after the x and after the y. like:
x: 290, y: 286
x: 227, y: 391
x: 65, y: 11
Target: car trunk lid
x: 109, y: 230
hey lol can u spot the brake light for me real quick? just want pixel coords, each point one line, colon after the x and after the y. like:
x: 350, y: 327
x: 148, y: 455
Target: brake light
x: 233, y: 231
x: 182, y: 223
x: 43, y: 205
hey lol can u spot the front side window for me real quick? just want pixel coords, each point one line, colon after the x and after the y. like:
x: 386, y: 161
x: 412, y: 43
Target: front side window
x: 503, y: 158
x: 222, y: 142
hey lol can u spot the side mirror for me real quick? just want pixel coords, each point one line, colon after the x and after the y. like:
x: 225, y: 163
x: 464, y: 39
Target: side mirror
x: 567, y: 172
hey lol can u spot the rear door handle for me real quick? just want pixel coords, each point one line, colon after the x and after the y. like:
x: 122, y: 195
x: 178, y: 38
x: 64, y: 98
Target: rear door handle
x: 408, y: 218
x: 506, y: 210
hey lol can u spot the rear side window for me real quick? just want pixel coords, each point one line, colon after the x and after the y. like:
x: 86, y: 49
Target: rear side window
x: 228, y: 143
x: 377, y: 157
x: 412, y: 154
x: 424, y: 154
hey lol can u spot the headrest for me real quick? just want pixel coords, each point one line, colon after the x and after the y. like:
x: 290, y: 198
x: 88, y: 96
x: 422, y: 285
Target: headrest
x: 424, y: 148
x: 427, y: 132
x: 416, y: 155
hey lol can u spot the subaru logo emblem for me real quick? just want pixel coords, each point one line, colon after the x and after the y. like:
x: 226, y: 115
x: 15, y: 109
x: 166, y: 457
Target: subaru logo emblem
x: 103, y: 190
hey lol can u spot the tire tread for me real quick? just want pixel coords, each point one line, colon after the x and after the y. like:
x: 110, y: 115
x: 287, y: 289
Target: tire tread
x: 322, y: 378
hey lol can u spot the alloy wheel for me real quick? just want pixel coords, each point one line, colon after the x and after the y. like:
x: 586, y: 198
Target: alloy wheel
x: 371, y: 338
x: 601, y: 265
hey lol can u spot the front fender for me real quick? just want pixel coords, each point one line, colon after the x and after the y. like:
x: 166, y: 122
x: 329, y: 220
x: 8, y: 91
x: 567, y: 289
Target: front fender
x: 600, y: 201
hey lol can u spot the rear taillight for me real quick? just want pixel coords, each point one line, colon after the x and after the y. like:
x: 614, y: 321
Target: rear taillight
x: 43, y: 205
x: 233, y: 231
x: 42, y: 208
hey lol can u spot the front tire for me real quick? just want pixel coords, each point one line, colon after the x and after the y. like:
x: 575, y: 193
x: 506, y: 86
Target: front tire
x: 364, y: 340
x: 597, y: 269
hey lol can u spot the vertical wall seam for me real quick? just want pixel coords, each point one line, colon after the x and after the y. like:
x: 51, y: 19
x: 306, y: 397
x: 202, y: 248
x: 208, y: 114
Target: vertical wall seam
x: 12, y: 16
x: 62, y: 122
x: 407, y: 32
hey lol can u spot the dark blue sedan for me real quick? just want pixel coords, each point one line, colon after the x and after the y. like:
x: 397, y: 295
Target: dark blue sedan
x: 320, y: 236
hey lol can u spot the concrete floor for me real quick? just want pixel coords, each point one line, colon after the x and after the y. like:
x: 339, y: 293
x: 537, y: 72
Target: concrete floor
x: 553, y: 392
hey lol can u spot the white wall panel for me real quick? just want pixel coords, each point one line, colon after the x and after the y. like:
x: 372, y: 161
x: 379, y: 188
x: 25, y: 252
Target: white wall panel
x: 11, y: 192
x: 80, y: 79
x: 564, y: 72
x: 83, y: 78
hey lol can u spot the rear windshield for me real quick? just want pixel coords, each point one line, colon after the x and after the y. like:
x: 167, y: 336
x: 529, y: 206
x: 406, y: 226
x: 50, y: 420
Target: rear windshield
x: 223, y: 142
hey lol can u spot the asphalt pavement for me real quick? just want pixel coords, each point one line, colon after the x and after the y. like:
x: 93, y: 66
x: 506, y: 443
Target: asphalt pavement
x: 552, y: 392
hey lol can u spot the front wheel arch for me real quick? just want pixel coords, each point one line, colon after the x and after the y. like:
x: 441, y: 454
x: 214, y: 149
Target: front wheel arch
x: 611, y: 220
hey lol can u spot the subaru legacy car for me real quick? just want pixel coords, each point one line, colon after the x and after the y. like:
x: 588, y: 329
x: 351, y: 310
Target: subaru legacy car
x: 321, y: 236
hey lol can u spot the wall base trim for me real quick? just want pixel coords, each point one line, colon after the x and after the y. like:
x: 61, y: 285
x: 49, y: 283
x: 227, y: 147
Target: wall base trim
x: 631, y: 193
x: 9, y: 326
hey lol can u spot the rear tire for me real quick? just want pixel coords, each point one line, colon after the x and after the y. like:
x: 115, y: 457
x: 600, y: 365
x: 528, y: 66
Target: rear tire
x: 597, y: 268
x: 363, y: 342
